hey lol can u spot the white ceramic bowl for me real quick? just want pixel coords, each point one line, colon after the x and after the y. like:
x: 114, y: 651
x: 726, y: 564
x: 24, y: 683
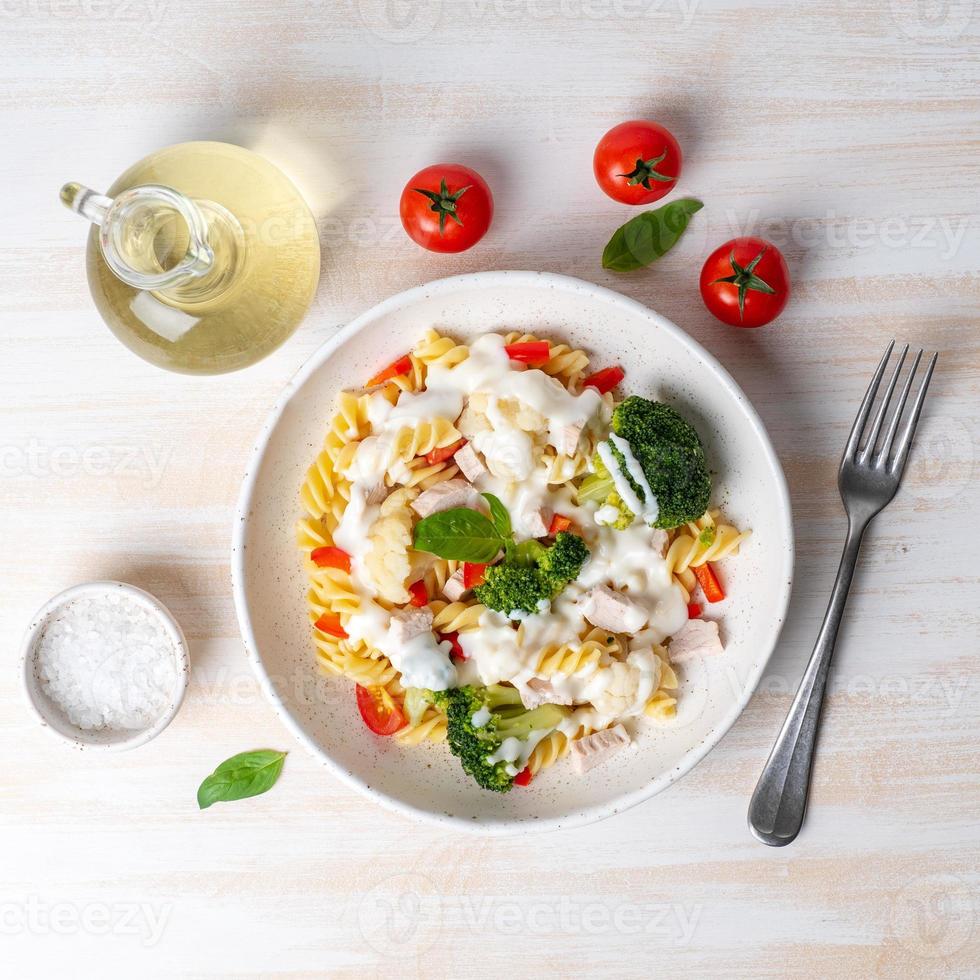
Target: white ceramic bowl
x: 270, y: 586
x: 50, y: 714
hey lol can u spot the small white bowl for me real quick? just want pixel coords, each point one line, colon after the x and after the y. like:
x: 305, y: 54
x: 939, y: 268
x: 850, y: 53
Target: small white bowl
x: 53, y: 718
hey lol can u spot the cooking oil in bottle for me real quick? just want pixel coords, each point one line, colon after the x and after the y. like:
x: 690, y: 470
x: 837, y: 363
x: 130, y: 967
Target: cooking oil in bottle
x: 202, y: 258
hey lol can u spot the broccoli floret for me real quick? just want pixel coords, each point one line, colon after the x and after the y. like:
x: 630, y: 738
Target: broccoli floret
x: 536, y: 574
x: 562, y: 562
x: 508, y: 588
x: 474, y: 744
x: 671, y: 456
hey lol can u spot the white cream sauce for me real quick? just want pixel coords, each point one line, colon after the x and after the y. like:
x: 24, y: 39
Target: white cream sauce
x: 481, y: 717
x: 624, y: 560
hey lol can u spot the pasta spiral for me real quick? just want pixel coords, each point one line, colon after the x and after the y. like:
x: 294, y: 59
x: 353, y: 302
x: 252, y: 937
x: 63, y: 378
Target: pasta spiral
x: 547, y: 752
x: 423, y: 474
x: 662, y: 706
x: 324, y: 497
x: 700, y: 541
x: 443, y: 351
x: 562, y: 469
x: 455, y: 617
x: 430, y: 728
x: 570, y: 658
x: 352, y: 419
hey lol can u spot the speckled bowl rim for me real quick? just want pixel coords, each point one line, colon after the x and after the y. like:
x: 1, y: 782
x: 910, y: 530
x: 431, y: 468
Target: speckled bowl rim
x: 41, y: 619
x: 504, y: 280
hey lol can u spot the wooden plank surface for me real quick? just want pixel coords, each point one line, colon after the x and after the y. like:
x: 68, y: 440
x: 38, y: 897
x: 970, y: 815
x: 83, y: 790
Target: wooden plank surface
x: 847, y: 132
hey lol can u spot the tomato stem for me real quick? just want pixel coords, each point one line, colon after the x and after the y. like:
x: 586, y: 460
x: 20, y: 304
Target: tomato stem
x: 746, y: 279
x: 444, y: 203
x: 645, y: 171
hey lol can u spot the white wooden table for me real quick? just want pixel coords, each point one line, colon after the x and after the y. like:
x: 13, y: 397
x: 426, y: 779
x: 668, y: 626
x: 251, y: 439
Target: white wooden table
x: 847, y: 133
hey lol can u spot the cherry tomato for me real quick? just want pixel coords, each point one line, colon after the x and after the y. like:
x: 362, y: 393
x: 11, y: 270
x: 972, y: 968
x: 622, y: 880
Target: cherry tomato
x: 745, y: 282
x: 379, y: 711
x: 637, y: 162
x: 446, y: 208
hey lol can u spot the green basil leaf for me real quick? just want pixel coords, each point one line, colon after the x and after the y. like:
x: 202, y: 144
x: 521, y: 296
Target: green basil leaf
x: 648, y: 236
x: 459, y: 534
x: 499, y: 515
x: 243, y: 775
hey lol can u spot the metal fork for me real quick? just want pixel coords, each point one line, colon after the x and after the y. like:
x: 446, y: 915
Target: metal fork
x: 868, y: 479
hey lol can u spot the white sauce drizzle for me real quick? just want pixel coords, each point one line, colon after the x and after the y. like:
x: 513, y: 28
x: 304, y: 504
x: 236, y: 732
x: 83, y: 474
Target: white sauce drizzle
x: 481, y: 717
x: 623, y: 487
x: 516, y: 751
x: 650, y: 509
x: 606, y: 515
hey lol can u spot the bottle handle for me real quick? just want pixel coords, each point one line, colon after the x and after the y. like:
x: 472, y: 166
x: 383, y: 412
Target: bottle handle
x: 131, y: 214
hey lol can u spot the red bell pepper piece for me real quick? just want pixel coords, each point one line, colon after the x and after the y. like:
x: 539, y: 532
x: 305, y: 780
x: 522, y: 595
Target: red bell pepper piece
x: 473, y: 574
x: 709, y: 583
x: 529, y: 352
x: 402, y: 366
x: 457, y: 650
x: 441, y: 455
x: 559, y: 523
x: 331, y: 557
x: 524, y: 777
x: 330, y: 623
x: 419, y: 594
x: 605, y: 380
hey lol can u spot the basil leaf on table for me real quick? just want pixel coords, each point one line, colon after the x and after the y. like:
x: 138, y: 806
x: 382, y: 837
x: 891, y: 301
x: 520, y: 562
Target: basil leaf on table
x: 459, y: 534
x: 243, y: 775
x: 648, y: 236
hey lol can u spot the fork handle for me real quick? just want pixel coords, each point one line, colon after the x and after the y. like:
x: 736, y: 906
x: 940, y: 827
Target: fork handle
x: 779, y: 802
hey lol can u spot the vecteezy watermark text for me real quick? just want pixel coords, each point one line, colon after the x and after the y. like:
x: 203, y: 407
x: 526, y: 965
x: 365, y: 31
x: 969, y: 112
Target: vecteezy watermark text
x: 408, y: 909
x: 407, y: 21
x: 933, y: 232
x: 34, y: 459
x: 144, y: 11
x: 37, y: 917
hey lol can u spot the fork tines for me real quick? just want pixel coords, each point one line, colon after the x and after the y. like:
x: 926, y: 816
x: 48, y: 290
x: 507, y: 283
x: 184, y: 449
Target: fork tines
x: 866, y: 449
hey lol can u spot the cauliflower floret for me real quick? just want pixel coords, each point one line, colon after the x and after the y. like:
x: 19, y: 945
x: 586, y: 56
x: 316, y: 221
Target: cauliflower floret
x: 622, y: 690
x: 509, y: 453
x: 521, y: 416
x: 386, y: 561
x: 474, y: 419
x: 505, y: 430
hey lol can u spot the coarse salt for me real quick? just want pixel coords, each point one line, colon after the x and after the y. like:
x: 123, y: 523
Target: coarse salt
x: 108, y: 662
